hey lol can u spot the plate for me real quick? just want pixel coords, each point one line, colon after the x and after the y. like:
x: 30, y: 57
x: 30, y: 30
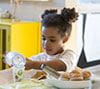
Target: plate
x: 69, y: 84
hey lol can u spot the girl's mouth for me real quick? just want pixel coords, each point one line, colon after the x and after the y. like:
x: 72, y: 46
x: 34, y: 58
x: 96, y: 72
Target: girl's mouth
x: 48, y: 49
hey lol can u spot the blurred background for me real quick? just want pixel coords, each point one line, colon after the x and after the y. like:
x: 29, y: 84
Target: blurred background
x: 20, y: 28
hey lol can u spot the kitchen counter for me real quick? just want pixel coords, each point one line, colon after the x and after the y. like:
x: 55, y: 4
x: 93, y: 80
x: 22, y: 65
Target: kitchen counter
x: 95, y: 76
x: 6, y: 78
x: 6, y: 81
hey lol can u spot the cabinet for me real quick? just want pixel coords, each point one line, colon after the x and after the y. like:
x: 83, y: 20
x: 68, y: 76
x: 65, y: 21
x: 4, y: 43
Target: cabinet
x: 22, y: 37
x: 35, y: 0
x: 4, y: 42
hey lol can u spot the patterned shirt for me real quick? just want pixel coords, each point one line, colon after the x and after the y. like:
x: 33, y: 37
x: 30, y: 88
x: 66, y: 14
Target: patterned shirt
x: 68, y: 57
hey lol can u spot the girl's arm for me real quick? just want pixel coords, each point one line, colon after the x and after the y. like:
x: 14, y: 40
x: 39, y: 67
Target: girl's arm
x: 55, y: 64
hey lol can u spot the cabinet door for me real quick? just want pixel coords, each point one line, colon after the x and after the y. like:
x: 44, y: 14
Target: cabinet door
x: 26, y: 38
x: 4, y: 43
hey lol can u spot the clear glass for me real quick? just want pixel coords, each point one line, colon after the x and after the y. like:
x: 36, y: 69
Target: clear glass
x: 18, y: 73
x: 15, y: 59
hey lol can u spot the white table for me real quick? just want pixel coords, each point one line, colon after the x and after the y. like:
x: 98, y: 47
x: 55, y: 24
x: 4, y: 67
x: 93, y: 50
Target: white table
x: 96, y: 76
x: 6, y: 76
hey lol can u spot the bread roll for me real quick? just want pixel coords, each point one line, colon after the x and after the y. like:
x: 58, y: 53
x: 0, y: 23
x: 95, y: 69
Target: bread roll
x: 78, y: 69
x: 75, y: 75
x: 86, y: 74
x: 76, y: 78
x: 64, y: 75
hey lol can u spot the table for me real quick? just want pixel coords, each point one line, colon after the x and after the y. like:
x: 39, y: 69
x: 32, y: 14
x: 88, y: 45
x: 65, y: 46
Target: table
x: 6, y: 77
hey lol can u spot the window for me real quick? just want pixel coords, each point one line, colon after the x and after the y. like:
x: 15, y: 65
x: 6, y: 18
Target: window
x: 92, y: 37
x: 90, y: 34
x: 89, y: 1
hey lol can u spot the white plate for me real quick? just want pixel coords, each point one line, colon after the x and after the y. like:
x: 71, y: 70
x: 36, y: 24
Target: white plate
x: 69, y: 84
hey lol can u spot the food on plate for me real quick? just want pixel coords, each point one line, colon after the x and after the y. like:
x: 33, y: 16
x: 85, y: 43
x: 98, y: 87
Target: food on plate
x: 39, y: 75
x: 64, y: 75
x: 86, y: 74
x: 78, y: 69
x: 77, y: 74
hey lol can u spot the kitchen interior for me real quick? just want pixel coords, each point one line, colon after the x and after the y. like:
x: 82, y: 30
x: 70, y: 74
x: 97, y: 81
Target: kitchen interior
x: 20, y: 31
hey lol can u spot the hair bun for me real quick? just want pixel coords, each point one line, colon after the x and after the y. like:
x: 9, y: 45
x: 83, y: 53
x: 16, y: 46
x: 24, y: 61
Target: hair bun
x: 51, y: 11
x: 69, y: 15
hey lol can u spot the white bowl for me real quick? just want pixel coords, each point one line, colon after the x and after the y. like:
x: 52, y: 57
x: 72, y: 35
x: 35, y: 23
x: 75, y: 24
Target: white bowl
x: 69, y: 84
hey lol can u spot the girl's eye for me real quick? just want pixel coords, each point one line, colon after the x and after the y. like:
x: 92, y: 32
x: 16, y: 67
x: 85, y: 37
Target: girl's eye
x: 44, y: 39
x: 52, y: 40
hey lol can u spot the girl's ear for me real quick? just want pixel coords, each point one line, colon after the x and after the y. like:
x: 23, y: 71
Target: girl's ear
x: 65, y: 39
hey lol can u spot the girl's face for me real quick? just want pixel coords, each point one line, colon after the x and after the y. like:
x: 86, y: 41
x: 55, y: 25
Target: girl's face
x: 52, y: 41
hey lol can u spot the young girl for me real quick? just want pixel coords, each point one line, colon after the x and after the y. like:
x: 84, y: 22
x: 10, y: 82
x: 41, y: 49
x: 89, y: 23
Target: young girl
x: 56, y: 29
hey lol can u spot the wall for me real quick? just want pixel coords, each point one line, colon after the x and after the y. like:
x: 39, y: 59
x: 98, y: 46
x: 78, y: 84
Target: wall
x: 32, y: 10
x: 72, y: 42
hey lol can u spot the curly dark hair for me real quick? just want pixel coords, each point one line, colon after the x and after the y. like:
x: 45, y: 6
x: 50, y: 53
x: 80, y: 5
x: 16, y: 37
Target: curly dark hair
x: 62, y: 21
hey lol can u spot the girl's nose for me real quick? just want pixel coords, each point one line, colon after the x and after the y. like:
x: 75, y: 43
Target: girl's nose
x: 46, y: 43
